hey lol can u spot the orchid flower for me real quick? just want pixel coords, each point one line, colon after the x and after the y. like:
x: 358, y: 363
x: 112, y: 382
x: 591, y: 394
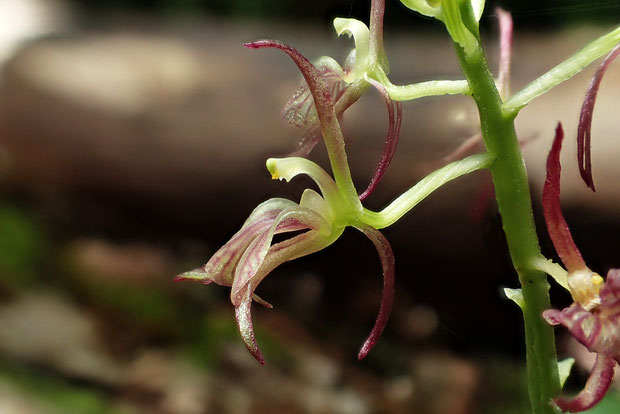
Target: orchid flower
x: 594, y: 317
x: 250, y: 255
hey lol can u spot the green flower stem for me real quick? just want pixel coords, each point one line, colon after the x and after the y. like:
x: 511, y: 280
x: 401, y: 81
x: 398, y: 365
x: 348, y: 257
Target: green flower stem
x: 422, y: 89
x: 513, y: 198
x: 399, y: 207
x: 563, y: 71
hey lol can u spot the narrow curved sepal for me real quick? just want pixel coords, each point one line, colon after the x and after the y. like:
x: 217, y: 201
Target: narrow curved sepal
x: 595, y: 389
x: 387, y: 298
x: 584, y: 129
x: 395, y: 118
x: 556, y: 224
x: 243, y: 314
x: 293, y: 248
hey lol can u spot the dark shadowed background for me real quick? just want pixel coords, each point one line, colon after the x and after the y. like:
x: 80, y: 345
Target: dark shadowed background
x: 133, y: 136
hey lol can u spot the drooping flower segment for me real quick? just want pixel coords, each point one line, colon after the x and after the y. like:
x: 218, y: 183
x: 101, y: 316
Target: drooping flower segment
x: 585, y: 120
x: 594, y: 317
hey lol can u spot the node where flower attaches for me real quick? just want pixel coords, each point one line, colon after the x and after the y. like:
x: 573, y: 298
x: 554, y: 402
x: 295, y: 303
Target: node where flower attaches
x: 594, y: 317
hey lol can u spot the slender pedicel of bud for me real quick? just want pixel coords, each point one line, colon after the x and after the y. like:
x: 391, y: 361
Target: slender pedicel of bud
x: 585, y: 120
x: 387, y: 263
x: 395, y: 118
x: 595, y: 389
x: 505, y: 51
x: 556, y: 224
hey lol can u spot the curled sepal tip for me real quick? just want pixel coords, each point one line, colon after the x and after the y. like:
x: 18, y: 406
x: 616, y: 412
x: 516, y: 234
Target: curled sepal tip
x: 585, y: 120
x: 387, y: 299
x: 596, y: 386
x: 243, y: 314
x: 556, y: 224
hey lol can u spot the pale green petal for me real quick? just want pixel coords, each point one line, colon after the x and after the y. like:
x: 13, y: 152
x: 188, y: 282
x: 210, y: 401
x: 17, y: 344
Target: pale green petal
x: 361, y: 36
x: 287, y: 168
x: 312, y: 200
x: 515, y: 295
x: 422, y: 7
x: 451, y: 16
x: 478, y: 6
x: 564, y: 368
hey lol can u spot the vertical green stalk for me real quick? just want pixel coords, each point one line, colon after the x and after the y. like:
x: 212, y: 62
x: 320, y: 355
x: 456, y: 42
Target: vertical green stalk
x: 513, y: 198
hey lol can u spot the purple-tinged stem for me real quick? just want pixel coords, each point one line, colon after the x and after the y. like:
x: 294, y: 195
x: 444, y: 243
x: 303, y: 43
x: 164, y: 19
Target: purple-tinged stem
x: 556, y: 224
x: 395, y: 117
x: 585, y: 120
x: 377, y: 11
x: 387, y: 299
x: 505, y: 51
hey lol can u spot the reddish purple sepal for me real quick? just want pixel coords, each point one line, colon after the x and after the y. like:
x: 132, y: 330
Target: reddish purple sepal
x: 395, y: 118
x: 387, y: 299
x: 556, y: 224
x: 595, y: 389
x: 599, y: 332
x: 585, y: 120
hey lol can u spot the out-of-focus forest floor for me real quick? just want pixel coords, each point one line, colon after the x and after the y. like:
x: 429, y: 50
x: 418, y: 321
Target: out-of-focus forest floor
x: 132, y: 148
